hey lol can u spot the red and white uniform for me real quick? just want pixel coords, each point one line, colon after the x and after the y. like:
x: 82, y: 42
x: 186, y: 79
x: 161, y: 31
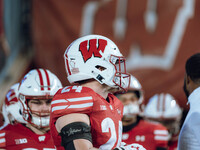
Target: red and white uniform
x: 149, y: 135
x: 19, y: 137
x: 105, y: 117
x: 173, y: 143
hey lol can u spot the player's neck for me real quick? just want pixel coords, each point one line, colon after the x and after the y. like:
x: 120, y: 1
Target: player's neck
x: 99, y: 88
x: 36, y: 130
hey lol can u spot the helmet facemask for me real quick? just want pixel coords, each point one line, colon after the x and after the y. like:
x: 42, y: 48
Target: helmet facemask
x: 39, y: 119
x: 121, y: 77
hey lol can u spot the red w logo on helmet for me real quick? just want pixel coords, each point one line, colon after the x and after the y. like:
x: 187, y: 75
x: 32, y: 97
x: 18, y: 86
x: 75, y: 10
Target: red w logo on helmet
x: 92, y: 49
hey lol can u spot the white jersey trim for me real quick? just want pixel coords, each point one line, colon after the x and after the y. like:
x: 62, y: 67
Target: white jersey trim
x: 79, y: 99
x: 2, y: 140
x: 58, y: 108
x: 2, y: 134
x: 58, y: 101
x: 81, y: 105
x: 161, y: 132
x: 161, y: 138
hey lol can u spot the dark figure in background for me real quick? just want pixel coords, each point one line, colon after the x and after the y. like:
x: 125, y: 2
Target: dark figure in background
x: 189, y: 138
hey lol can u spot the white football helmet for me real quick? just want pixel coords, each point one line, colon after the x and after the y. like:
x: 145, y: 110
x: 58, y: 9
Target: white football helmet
x: 96, y: 57
x: 134, y: 109
x: 11, y: 106
x: 37, y: 84
x: 164, y: 109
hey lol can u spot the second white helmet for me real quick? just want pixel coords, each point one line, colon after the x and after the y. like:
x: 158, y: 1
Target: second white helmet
x: 37, y: 84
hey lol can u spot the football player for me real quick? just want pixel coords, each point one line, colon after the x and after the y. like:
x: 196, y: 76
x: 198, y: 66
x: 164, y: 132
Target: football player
x: 164, y: 109
x: 35, y: 93
x: 152, y: 136
x: 87, y: 115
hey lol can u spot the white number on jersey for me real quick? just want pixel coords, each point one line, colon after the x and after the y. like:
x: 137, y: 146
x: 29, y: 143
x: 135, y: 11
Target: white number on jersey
x: 68, y: 88
x: 107, y: 124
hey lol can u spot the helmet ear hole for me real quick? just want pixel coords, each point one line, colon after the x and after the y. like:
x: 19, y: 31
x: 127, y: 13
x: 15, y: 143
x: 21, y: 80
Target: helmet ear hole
x: 101, y: 68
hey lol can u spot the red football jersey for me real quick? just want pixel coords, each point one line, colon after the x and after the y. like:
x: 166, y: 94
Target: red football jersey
x: 105, y: 117
x: 149, y: 135
x: 18, y: 137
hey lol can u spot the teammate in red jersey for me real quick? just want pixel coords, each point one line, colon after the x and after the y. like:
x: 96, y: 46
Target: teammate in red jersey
x: 35, y: 93
x: 86, y: 115
x: 164, y: 109
x: 152, y: 136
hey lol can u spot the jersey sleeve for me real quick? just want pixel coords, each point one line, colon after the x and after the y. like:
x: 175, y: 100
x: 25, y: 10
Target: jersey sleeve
x: 161, y: 136
x: 72, y: 99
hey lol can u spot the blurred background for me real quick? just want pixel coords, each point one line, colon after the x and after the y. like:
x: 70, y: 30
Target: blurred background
x: 156, y: 36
